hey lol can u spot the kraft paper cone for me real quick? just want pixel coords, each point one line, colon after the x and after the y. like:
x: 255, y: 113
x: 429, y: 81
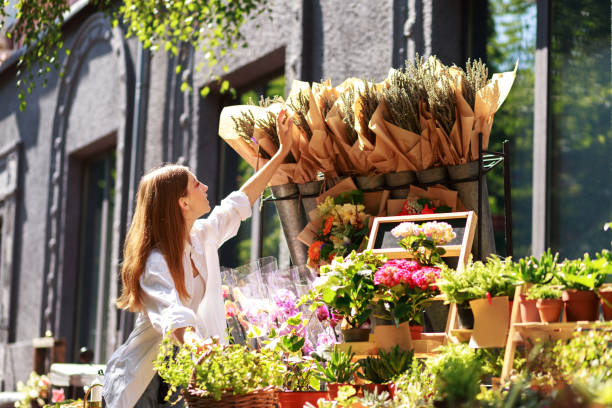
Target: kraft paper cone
x: 324, y: 92
x: 374, y: 202
x: 345, y: 185
x: 487, y: 102
x: 388, y: 147
x: 394, y: 206
x: 465, y: 116
x: 491, y: 322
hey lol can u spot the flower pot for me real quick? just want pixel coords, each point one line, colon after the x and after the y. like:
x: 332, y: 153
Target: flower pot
x: 529, y: 311
x: 580, y: 305
x: 435, y: 316
x: 392, y: 389
x: 332, y: 389
x: 293, y: 220
x: 388, y: 336
x: 468, y: 193
x: 606, y: 304
x: 415, y: 332
x: 368, y: 183
x: 549, y: 309
x: 352, y: 335
x: 297, y: 399
x: 309, y: 193
x: 465, y: 316
x: 393, y: 181
x: 491, y: 321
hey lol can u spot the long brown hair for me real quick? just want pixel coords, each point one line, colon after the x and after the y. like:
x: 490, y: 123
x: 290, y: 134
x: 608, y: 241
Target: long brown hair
x: 157, y: 224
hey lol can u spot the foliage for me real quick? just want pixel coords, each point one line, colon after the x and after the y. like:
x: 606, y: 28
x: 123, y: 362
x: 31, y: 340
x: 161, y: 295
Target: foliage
x: 347, y: 286
x: 211, y: 26
x: 587, y: 354
x: 457, y: 371
x: 534, y: 270
x: 35, y: 391
x: 340, y: 367
x: 225, y: 368
x: 386, y: 366
x: 39, y: 30
x: 347, y: 398
x: 580, y: 274
x: 416, y: 386
x: 477, y: 280
x: 543, y: 292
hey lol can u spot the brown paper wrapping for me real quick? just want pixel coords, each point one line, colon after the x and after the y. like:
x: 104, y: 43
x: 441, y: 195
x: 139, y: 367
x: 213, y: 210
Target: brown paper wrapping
x: 491, y: 322
x: 388, y: 155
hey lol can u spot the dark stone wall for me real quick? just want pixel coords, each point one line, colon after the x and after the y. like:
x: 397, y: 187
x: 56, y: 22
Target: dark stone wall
x: 308, y: 40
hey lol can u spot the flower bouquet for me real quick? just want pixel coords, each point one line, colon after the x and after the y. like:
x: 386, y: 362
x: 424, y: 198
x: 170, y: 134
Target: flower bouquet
x: 404, y: 288
x: 344, y: 224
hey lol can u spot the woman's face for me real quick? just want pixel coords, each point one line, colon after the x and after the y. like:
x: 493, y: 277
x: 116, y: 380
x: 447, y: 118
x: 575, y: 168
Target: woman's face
x: 197, y: 198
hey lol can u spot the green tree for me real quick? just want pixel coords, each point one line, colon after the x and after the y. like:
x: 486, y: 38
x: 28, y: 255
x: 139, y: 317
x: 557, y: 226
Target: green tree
x: 211, y: 26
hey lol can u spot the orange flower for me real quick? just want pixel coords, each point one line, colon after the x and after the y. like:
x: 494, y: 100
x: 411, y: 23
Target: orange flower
x: 329, y: 222
x: 314, y: 251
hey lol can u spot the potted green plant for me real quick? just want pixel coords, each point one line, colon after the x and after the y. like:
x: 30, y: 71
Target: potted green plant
x: 548, y: 302
x: 339, y: 369
x: 347, y: 287
x: 531, y: 271
x: 457, y: 372
x: 300, y: 385
x: 580, y: 278
x: 214, y: 372
x: 382, y: 369
x: 477, y: 281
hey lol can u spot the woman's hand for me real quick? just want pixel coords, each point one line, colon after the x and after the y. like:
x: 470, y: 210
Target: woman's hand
x: 283, y: 126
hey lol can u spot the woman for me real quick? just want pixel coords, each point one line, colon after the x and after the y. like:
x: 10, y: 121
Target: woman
x: 170, y: 271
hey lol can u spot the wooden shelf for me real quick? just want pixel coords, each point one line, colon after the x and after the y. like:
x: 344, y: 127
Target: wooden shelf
x: 461, y: 335
x: 550, y: 331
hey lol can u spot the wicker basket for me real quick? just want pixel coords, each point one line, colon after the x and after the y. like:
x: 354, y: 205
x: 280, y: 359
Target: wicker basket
x: 195, y: 398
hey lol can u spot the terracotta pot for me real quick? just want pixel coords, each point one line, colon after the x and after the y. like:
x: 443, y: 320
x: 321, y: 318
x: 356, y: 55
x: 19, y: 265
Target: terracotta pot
x: 332, y: 389
x: 388, y: 336
x: 352, y: 335
x: 297, y: 399
x: 549, y: 309
x: 606, y: 307
x: 465, y: 316
x: 392, y: 389
x: 529, y: 311
x: 415, y: 332
x: 581, y: 305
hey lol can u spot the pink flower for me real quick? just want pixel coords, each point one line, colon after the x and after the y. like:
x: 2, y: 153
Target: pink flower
x: 322, y: 313
x: 57, y: 395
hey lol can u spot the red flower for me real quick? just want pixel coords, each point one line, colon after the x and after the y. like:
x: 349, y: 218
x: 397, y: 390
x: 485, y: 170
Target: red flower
x: 331, y: 256
x: 57, y: 395
x: 329, y: 222
x: 427, y: 210
x: 314, y: 251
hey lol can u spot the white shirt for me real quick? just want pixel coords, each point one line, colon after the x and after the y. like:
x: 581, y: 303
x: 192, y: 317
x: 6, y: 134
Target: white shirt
x: 130, y: 368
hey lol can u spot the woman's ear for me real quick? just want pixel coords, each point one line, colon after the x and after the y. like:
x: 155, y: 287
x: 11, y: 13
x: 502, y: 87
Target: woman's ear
x: 183, y: 203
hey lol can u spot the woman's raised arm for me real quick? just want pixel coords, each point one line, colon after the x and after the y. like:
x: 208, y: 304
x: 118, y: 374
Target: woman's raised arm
x: 258, y: 181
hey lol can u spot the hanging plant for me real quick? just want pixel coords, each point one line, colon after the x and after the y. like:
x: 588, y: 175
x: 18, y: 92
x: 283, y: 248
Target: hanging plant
x: 210, y: 26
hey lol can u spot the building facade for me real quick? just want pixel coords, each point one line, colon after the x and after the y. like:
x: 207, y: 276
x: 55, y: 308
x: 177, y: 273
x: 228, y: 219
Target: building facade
x: 71, y: 162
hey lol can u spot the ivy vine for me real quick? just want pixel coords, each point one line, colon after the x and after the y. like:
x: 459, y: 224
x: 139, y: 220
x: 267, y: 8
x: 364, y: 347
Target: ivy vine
x: 211, y: 26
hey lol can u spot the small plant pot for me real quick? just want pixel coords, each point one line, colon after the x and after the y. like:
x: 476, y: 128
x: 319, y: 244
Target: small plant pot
x: 606, y: 304
x: 388, y: 336
x: 549, y: 309
x: 529, y: 311
x: 415, y: 332
x: 465, y: 316
x: 297, y: 399
x: 435, y: 316
x: 581, y: 305
x: 392, y: 389
x: 353, y: 335
x: 332, y: 389
x: 375, y: 388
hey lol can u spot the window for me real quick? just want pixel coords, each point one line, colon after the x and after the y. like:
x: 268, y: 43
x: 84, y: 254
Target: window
x: 234, y: 171
x: 94, y: 265
x: 513, y: 37
x: 580, y: 102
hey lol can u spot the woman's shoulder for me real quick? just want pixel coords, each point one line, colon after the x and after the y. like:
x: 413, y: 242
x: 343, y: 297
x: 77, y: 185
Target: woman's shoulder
x: 155, y: 261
